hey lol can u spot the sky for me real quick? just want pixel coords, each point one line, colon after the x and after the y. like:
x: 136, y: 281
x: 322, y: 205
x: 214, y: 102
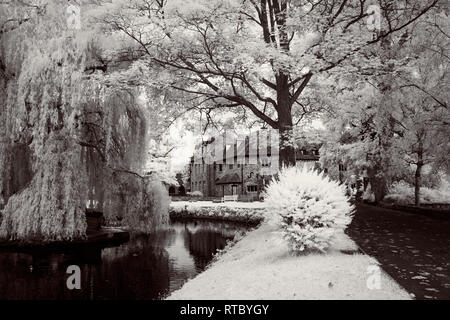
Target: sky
x: 184, y: 142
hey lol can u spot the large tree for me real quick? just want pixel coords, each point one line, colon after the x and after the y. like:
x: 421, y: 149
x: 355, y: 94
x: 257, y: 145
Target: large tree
x: 258, y: 55
x: 421, y: 99
x: 397, y: 120
x: 69, y: 132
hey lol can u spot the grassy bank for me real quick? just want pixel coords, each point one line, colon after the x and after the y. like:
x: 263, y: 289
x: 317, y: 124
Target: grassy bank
x: 243, y: 212
x: 259, y: 266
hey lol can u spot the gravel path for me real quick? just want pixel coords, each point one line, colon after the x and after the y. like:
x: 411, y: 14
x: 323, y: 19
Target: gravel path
x: 413, y: 249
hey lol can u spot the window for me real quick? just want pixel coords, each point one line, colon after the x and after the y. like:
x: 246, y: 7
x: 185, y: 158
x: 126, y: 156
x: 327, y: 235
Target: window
x: 230, y: 166
x: 265, y: 162
x: 220, y: 167
x: 252, y: 188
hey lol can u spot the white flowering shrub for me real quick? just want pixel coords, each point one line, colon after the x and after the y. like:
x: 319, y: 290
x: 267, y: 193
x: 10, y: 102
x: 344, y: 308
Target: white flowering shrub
x: 308, y: 206
x: 196, y: 194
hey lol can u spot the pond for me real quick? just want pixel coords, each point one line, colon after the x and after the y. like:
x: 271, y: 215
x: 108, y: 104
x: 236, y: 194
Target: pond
x: 146, y: 267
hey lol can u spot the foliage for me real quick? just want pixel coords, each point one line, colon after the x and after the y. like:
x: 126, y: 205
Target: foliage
x: 309, y: 207
x: 42, y: 104
x: 395, y: 123
x: 246, y: 215
x: 196, y: 193
x: 150, y: 208
x: 51, y: 207
x: 265, y: 60
x: 81, y: 101
x: 403, y: 193
x: 85, y: 129
x: 368, y: 194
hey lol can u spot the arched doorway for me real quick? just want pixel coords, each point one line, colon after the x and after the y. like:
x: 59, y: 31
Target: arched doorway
x: 171, y: 190
x: 181, y: 191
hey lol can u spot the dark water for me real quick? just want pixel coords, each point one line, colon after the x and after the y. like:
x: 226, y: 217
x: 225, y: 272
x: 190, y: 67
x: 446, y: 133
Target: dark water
x: 146, y: 267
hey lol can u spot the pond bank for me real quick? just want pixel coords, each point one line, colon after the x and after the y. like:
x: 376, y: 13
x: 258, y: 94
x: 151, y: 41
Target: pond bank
x: 106, y: 236
x: 250, y: 213
x: 260, y: 267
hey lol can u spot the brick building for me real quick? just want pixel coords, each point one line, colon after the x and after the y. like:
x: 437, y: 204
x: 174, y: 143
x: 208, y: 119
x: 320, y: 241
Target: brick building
x: 244, y: 176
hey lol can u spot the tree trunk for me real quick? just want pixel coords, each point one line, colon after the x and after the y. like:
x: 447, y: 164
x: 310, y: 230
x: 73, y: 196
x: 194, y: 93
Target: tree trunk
x: 287, y: 143
x: 273, y: 16
x: 418, y: 181
x: 379, y: 188
x: 378, y: 183
x: 287, y: 150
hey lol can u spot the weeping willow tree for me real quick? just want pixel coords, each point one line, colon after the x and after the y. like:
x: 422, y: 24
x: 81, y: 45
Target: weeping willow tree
x: 69, y: 135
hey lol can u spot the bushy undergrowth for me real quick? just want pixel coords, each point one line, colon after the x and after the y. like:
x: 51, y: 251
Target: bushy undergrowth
x: 308, y: 206
x: 403, y: 193
x: 247, y: 215
x: 195, y: 194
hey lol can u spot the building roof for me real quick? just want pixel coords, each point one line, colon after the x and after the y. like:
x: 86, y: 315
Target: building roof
x: 229, y: 178
x: 242, y: 147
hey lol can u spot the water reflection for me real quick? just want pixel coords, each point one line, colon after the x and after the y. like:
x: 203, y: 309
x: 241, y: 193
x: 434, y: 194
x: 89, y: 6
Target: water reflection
x: 146, y: 267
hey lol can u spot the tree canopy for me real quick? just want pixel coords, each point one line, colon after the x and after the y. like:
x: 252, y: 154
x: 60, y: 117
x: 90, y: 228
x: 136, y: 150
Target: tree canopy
x: 263, y: 57
x: 81, y: 101
x: 82, y: 134
x: 394, y: 124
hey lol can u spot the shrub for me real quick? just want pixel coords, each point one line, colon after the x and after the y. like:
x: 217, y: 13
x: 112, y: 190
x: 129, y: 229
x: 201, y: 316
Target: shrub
x: 368, y: 194
x: 402, y: 193
x: 196, y: 194
x: 247, y: 215
x: 308, y: 206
